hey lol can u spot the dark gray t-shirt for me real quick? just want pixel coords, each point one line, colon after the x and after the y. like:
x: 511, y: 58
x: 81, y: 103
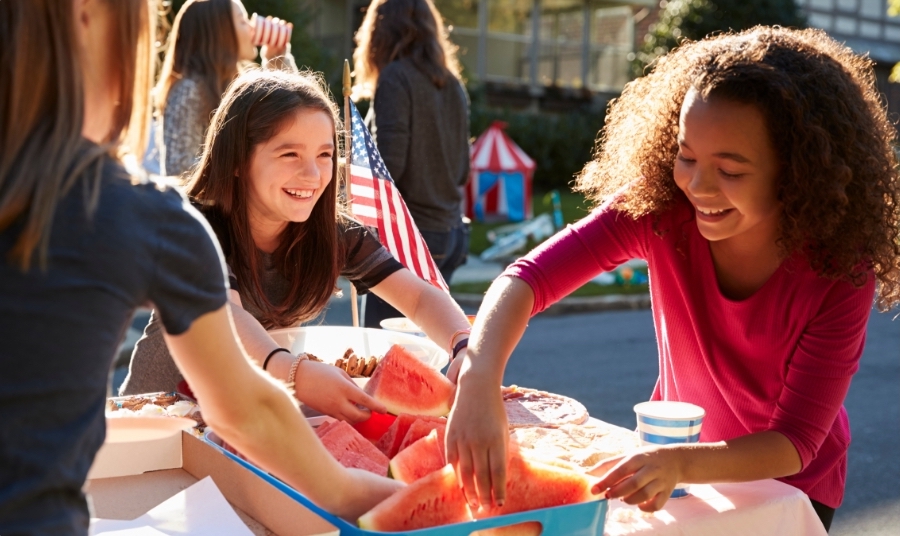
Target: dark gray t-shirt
x: 367, y: 263
x: 422, y: 133
x: 61, y: 328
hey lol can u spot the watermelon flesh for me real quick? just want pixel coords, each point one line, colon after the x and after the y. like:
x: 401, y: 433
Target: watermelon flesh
x: 351, y: 449
x: 531, y: 485
x: 434, y: 500
x: 390, y: 442
x: 420, y: 459
x: 421, y: 428
x: 406, y: 385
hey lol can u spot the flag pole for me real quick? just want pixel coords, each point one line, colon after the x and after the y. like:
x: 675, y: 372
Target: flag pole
x: 348, y: 144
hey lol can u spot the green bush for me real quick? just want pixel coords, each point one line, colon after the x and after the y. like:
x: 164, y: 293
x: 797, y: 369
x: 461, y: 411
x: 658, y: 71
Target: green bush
x: 560, y: 144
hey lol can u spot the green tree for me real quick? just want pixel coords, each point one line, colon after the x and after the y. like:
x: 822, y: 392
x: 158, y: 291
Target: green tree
x: 696, y: 19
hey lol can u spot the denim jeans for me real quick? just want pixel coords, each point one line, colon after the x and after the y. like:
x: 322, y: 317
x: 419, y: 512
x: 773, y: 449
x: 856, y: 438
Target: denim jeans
x: 449, y: 249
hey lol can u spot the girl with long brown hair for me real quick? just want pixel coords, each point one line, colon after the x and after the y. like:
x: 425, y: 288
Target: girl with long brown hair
x: 82, y: 245
x: 419, y: 119
x: 210, y: 42
x: 268, y: 184
x: 756, y: 174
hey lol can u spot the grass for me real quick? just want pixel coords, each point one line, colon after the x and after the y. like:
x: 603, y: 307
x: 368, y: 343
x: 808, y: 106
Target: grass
x: 574, y: 207
x: 590, y: 289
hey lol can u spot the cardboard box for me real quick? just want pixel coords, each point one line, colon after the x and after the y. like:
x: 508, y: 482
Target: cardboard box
x: 125, y: 484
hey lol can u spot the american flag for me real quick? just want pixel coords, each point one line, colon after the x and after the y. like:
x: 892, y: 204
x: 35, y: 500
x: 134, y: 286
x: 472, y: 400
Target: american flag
x: 376, y: 202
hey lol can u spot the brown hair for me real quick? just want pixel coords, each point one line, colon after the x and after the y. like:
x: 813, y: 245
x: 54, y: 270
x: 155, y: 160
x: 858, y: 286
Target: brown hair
x: 395, y: 29
x: 839, y: 181
x: 310, y: 254
x: 202, y: 45
x: 42, y: 151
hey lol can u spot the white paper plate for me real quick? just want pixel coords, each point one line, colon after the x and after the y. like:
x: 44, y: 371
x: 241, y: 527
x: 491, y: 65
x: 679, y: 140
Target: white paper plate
x: 329, y: 343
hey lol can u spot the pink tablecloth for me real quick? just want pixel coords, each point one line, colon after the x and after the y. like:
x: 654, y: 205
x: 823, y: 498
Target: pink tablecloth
x: 748, y: 509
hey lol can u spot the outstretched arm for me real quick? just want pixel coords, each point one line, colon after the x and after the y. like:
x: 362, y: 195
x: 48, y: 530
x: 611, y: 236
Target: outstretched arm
x: 430, y: 308
x: 263, y: 422
x: 321, y: 386
x: 477, y: 434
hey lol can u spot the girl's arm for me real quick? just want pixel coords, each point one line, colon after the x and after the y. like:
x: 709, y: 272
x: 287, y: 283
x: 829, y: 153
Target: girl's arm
x: 430, y: 308
x: 477, y: 432
x: 321, y: 386
x: 263, y: 421
x: 648, y: 477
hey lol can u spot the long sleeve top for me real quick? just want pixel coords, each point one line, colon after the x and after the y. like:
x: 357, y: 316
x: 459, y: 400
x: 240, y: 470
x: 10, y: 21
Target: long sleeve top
x: 779, y: 360
x: 422, y: 133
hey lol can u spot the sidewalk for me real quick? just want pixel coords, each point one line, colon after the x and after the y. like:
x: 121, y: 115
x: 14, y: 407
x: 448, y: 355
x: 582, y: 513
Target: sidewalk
x: 476, y: 270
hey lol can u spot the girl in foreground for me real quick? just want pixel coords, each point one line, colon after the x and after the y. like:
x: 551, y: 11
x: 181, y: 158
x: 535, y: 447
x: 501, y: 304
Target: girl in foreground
x: 82, y: 244
x: 755, y: 174
x: 210, y: 42
x: 268, y: 184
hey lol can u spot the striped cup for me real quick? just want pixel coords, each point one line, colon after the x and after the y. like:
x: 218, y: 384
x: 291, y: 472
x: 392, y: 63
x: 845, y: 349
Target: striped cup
x: 661, y: 422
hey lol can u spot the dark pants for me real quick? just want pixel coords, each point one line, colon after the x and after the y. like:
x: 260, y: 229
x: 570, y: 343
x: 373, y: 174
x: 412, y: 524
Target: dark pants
x: 449, y: 250
x: 825, y: 513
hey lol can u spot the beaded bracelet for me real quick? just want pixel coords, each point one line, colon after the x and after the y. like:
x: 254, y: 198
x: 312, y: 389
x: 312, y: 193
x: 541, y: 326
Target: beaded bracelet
x: 273, y: 352
x: 293, y: 374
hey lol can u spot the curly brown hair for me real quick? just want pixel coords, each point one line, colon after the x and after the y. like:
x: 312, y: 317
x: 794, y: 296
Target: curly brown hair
x: 839, y: 179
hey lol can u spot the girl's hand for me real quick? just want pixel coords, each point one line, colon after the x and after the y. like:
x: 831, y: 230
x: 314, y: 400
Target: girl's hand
x: 476, y: 441
x: 330, y: 390
x: 645, y: 478
x: 453, y: 369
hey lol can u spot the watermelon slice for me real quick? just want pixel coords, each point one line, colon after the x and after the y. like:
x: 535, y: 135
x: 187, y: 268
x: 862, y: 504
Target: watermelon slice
x: 422, y: 458
x: 406, y: 385
x: 420, y: 428
x: 353, y: 450
x: 322, y: 428
x: 434, y: 500
x: 390, y: 442
x: 531, y: 485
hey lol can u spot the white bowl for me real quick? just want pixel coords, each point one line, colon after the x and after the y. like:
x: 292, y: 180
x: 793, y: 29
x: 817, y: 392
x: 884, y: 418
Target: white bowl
x: 329, y: 343
x: 403, y: 325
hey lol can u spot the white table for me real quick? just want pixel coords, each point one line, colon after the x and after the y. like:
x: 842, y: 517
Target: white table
x: 765, y: 507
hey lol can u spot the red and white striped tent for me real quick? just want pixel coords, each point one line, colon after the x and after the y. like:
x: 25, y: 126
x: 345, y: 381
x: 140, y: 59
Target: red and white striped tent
x: 499, y: 185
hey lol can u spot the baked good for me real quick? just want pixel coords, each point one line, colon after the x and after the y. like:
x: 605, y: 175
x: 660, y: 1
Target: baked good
x: 530, y: 407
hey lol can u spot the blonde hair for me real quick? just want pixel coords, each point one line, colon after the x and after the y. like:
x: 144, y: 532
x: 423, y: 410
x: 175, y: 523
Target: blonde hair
x: 42, y: 151
x: 396, y: 29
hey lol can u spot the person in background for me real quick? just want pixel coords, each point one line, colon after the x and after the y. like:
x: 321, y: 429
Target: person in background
x: 82, y: 244
x: 419, y: 118
x: 268, y: 184
x: 210, y: 42
x: 755, y: 172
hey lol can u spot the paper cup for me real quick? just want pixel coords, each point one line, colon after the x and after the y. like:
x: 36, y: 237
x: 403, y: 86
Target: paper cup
x: 403, y: 325
x: 661, y: 422
x: 269, y: 31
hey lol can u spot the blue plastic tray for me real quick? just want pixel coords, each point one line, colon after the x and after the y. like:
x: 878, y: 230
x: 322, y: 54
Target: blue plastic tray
x: 584, y: 519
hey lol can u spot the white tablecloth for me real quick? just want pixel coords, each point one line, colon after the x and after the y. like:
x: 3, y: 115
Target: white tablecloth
x: 765, y: 507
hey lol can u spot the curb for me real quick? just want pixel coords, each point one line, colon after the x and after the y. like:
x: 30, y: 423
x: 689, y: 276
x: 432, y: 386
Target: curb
x: 573, y: 305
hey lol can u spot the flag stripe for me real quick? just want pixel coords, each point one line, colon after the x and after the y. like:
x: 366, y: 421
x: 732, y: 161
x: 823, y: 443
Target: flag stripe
x: 376, y: 202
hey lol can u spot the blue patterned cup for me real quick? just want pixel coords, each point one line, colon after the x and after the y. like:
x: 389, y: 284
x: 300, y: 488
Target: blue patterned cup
x: 662, y: 422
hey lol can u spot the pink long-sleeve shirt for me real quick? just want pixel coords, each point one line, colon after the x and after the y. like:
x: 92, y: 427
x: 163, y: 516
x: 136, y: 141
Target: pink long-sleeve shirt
x: 779, y: 360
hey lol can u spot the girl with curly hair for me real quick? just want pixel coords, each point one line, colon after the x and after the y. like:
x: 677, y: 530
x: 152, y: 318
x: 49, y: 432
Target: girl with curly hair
x: 756, y: 175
